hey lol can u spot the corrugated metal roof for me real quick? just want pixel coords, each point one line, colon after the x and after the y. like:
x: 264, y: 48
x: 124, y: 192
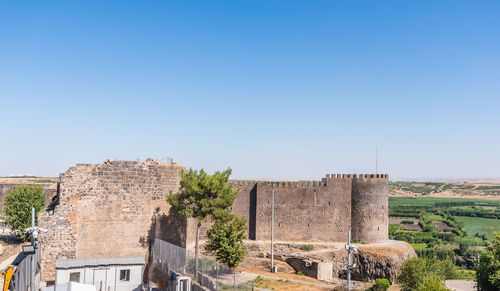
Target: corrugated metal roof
x: 95, y: 262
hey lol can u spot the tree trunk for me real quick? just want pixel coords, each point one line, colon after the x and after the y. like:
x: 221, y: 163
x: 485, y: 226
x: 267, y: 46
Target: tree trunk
x: 196, y: 252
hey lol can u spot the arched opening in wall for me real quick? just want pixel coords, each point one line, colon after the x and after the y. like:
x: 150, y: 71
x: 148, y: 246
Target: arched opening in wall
x: 378, y: 227
x: 328, y: 202
x: 279, y: 224
x: 283, y: 201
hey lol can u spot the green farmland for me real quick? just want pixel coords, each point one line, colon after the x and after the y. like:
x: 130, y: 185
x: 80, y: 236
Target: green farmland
x: 486, y: 226
x: 452, y: 229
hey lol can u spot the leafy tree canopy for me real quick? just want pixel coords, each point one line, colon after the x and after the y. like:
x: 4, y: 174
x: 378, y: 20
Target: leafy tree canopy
x: 18, y: 204
x: 225, y: 238
x: 202, y: 194
x: 421, y: 273
x: 488, y: 268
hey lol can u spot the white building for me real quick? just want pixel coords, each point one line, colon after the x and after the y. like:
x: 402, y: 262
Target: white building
x: 106, y: 274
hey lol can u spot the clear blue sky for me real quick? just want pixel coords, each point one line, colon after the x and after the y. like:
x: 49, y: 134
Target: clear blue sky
x: 284, y: 89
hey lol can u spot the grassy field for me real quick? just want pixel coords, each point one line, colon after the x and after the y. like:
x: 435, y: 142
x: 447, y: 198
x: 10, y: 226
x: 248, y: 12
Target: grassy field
x: 435, y: 217
x: 486, y: 226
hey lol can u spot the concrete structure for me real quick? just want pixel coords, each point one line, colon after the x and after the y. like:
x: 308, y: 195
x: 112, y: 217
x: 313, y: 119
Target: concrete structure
x: 117, y: 208
x: 106, y: 274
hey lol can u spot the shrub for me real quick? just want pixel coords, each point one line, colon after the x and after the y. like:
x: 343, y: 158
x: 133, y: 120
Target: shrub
x: 407, y: 222
x: 426, y: 274
x: 307, y: 248
x: 380, y: 285
x: 299, y: 272
x: 432, y: 282
x: 258, y: 280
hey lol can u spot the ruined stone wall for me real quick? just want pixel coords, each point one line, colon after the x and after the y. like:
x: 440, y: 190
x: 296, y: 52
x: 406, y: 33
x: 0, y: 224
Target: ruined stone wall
x: 110, y: 210
x: 370, y: 207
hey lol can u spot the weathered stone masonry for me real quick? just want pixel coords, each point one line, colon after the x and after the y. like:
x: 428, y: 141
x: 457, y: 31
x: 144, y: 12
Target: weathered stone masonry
x: 114, y: 209
x: 317, y: 210
x: 110, y: 210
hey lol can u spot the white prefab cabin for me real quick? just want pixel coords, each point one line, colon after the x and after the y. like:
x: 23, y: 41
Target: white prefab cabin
x: 106, y: 274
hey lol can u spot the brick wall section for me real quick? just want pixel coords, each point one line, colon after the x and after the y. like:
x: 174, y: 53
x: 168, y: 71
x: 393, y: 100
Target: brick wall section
x: 110, y: 210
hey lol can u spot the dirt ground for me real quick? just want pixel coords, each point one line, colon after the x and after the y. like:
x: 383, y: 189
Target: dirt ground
x: 460, y: 285
x: 10, y: 247
x: 441, y: 225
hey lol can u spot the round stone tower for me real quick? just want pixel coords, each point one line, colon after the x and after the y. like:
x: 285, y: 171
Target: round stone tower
x: 370, y: 207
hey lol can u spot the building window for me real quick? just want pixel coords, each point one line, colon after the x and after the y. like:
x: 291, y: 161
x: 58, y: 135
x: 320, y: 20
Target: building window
x: 74, y: 277
x: 125, y: 275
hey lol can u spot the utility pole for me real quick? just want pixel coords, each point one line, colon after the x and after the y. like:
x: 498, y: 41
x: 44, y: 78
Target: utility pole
x: 349, y: 247
x: 272, y: 229
x: 376, y: 160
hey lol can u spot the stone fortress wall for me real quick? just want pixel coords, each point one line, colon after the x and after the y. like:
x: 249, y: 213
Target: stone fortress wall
x: 110, y: 210
x: 316, y: 210
x: 115, y: 209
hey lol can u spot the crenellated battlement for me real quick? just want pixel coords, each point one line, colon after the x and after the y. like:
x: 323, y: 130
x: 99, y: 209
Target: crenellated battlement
x: 355, y: 176
x: 281, y: 184
x: 371, y: 176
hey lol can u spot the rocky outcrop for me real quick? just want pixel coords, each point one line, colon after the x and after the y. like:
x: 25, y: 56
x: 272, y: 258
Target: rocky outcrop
x: 379, y: 260
x: 327, y: 262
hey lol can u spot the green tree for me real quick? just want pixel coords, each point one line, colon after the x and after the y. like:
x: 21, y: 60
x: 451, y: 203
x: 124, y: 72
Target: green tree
x: 225, y: 238
x: 18, y: 204
x: 200, y: 196
x: 488, y: 267
x: 432, y: 282
x: 412, y: 273
x: 416, y: 271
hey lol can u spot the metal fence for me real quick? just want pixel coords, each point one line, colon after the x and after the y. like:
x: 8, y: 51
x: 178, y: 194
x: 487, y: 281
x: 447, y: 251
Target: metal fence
x: 211, y: 274
x: 170, y: 254
x: 22, y: 275
x: 216, y: 276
